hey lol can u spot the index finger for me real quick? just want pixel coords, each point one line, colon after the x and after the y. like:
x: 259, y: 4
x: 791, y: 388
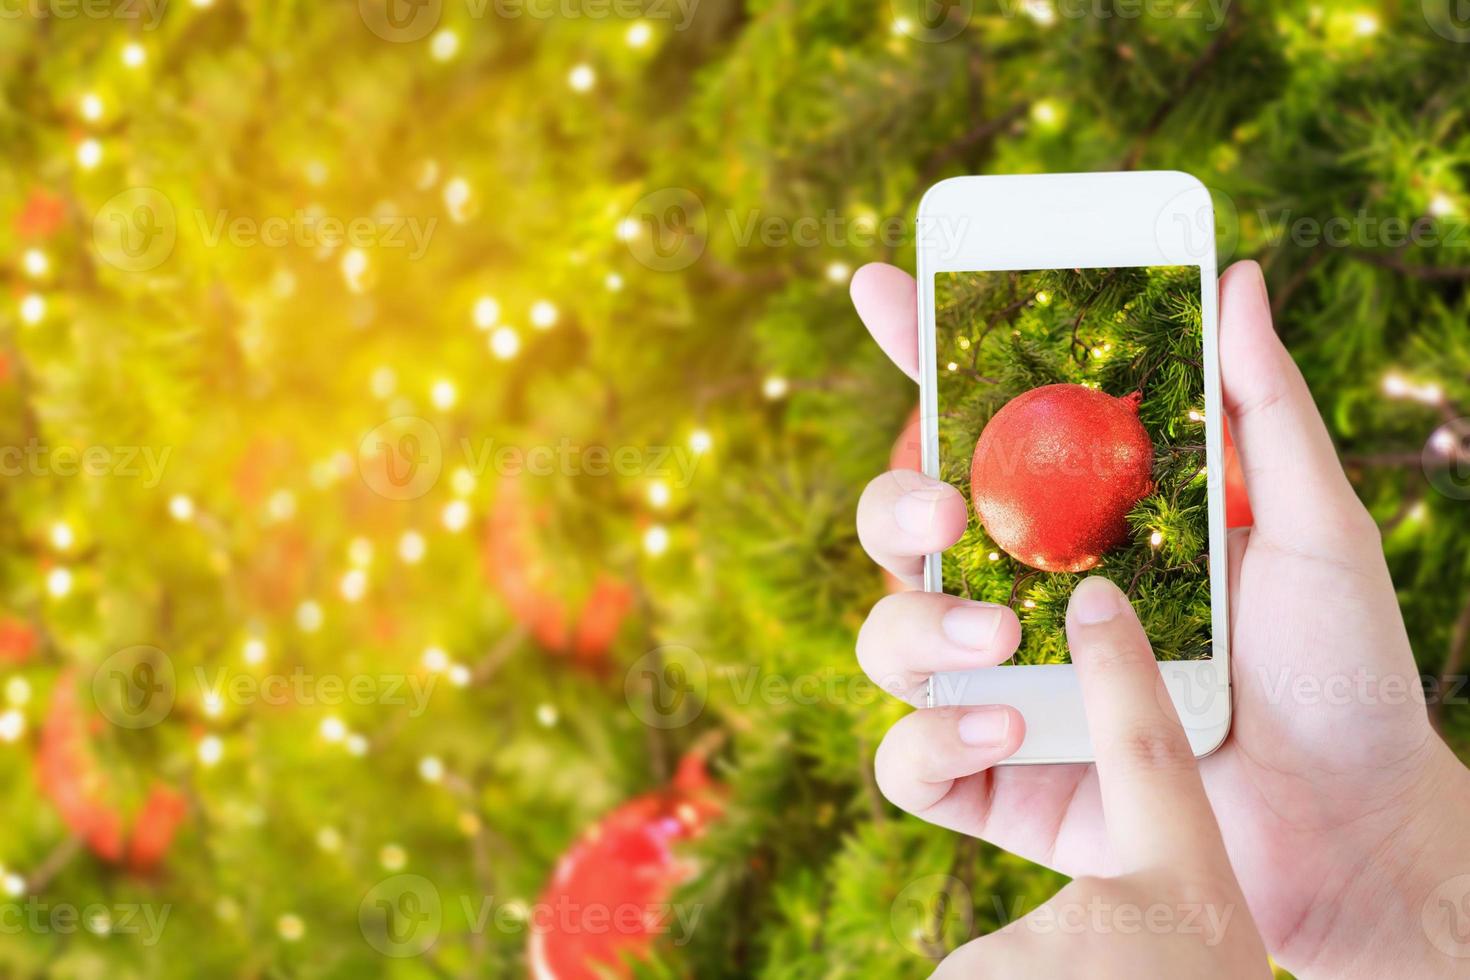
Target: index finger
x: 1154, y: 803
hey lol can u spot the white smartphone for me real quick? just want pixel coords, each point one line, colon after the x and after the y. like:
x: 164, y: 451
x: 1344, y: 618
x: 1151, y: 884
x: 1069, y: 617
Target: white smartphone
x: 1070, y: 389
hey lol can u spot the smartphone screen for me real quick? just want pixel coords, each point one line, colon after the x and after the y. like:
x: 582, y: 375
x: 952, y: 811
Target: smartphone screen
x: 1071, y: 414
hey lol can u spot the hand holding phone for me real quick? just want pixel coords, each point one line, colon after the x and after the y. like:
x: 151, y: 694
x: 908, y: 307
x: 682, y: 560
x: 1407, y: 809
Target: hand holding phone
x: 1342, y: 817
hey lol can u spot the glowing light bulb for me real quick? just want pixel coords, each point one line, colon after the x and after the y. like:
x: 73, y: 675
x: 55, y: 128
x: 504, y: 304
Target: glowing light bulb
x: 994, y: 556
x: 656, y: 540
x: 582, y: 78
x: 627, y: 229
x: 35, y: 263
x: 210, y: 750
x: 1365, y: 24
x: 1156, y: 539
x: 487, y: 312
x: 457, y: 196
x: 462, y: 481
x: 431, y: 769
x: 17, y: 690
x: 459, y: 675
x: 444, y: 45
x: 839, y: 271
x: 613, y: 282
x: 443, y: 394
x: 59, y: 582
x: 658, y: 493
x: 181, y: 507
x: 547, y: 715
x: 392, y: 857
x: 638, y: 34
x: 543, y: 314
x: 383, y: 382
x: 411, y: 547
x: 133, y: 55
x: 309, y: 616
x: 90, y: 106
x: 332, y: 728
x: 775, y: 387
x: 456, y: 515
x: 12, y: 725
x: 290, y: 928
x: 89, y: 153
x: 33, y: 308
x: 62, y: 536
x: 505, y: 343
x: 212, y: 704
x: 435, y: 660
x: 354, y: 585
x: 354, y: 269
x: 700, y: 441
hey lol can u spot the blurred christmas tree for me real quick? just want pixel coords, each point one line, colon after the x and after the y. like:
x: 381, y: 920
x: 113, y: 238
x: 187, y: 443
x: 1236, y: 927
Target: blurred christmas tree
x: 426, y: 424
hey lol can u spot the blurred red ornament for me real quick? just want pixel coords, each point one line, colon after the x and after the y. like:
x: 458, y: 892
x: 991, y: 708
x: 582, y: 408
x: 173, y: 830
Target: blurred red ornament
x: 1237, y: 503
x: 41, y: 215
x: 18, y: 640
x: 1055, y: 473
x: 73, y: 779
x: 608, y: 897
x: 532, y: 585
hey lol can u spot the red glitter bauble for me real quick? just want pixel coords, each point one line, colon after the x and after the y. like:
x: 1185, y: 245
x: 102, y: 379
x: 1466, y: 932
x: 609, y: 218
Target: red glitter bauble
x: 610, y: 895
x: 1055, y: 473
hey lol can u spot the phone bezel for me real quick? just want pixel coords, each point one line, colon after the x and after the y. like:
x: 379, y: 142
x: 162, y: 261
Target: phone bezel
x: 1055, y: 221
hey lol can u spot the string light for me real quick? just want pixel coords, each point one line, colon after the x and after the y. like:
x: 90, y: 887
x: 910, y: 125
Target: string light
x: 1043, y: 298
x: 1441, y: 205
x: 994, y: 556
x: 35, y: 263
x: 213, y: 704
x: 456, y: 515
x: 181, y: 507
x: 332, y: 728
x: 18, y: 690
x: 952, y: 366
x: 700, y: 441
x: 431, y: 769
x: 59, y: 582
x: 1156, y: 539
x: 581, y: 78
x: 360, y: 552
x: 839, y: 271
x: 1396, y: 385
x: 459, y: 675
x: 638, y: 34
x: 354, y: 269
x: 1195, y: 415
x: 627, y: 229
x: 505, y: 343
x: 658, y: 493
x: 357, y: 744
x: 457, y: 199
x: 392, y: 857
x: 435, y: 660
x: 1040, y: 11
x: 443, y: 394
x: 902, y: 26
x: 1046, y: 113
x: 1029, y: 603
x: 547, y: 715
x: 656, y: 540
x: 543, y: 314
x: 62, y: 537
x: 444, y: 45
x: 775, y: 387
x: 15, y: 885
x: 133, y: 54
x: 1365, y: 24
x: 411, y: 547
x: 210, y: 750
x: 290, y: 927
x: 462, y: 481
x: 12, y: 725
x: 354, y: 585
x: 384, y: 381
x: 281, y: 505
x: 486, y: 312
x: 254, y: 651
x: 613, y: 282
x: 329, y: 839
x: 309, y: 616
x: 32, y: 308
x: 89, y: 153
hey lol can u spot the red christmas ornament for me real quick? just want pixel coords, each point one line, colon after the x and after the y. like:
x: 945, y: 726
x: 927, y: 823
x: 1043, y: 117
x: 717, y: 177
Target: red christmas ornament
x: 73, y: 778
x: 533, y: 587
x: 608, y: 897
x: 1055, y: 473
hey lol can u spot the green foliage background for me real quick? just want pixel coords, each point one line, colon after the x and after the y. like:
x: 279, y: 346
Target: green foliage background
x: 1117, y: 330
x: 261, y: 368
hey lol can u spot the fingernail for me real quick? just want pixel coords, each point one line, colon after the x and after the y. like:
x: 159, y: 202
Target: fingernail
x: 988, y: 726
x: 972, y: 626
x: 1096, y: 600
x: 914, y: 511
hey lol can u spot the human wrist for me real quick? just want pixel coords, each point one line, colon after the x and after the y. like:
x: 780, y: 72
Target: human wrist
x: 1406, y: 910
